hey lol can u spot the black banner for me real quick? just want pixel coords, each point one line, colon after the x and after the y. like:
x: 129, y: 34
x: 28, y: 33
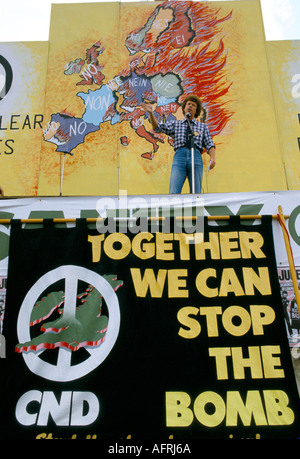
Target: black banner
x: 145, y: 333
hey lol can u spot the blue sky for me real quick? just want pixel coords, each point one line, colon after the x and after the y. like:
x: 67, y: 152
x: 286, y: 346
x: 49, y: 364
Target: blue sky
x: 29, y: 20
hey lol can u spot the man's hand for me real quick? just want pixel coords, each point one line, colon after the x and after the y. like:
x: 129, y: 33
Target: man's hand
x: 212, y: 153
x: 147, y: 107
x: 212, y: 163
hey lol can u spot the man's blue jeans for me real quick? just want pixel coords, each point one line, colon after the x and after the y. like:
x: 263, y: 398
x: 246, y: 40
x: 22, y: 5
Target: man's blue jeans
x: 182, y: 168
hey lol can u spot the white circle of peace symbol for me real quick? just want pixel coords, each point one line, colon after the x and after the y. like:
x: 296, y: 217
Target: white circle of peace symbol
x: 63, y: 371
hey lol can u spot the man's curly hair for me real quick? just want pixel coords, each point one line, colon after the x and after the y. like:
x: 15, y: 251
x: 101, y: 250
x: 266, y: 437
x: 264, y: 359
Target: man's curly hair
x: 193, y: 98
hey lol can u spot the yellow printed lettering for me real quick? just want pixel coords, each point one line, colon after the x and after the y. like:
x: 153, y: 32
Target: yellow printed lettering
x: 219, y: 411
x: 149, y: 281
x: 251, y: 243
x: 176, y: 279
x: 244, y: 318
x: 230, y: 283
x: 212, y: 246
x: 144, y: 245
x: 278, y: 411
x: 177, y: 283
x: 268, y: 407
x: 143, y: 250
x: 261, y: 281
x: 178, y: 413
x: 211, y: 314
x: 270, y: 362
x: 193, y: 326
x: 261, y: 315
x: 207, y: 282
x: 96, y: 246
x: 229, y: 245
x: 252, y: 407
x: 123, y: 246
x: 262, y: 362
x: 253, y: 361
x: 201, y: 283
x: 236, y: 320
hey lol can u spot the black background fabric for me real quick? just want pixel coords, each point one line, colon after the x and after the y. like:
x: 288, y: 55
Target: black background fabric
x: 149, y: 358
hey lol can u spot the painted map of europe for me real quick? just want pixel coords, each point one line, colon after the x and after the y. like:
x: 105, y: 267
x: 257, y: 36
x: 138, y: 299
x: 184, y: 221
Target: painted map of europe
x: 178, y: 51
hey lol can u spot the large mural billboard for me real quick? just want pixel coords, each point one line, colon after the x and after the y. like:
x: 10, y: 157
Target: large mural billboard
x: 105, y: 59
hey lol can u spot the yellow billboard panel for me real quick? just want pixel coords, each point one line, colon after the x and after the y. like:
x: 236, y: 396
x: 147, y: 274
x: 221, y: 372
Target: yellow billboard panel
x: 79, y: 154
x: 285, y: 74
x: 23, y: 69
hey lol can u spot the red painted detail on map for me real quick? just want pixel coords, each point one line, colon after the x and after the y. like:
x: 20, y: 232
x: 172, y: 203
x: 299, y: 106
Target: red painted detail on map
x: 167, y: 109
x: 72, y: 347
x: 124, y: 140
x: 142, y: 132
x: 148, y: 155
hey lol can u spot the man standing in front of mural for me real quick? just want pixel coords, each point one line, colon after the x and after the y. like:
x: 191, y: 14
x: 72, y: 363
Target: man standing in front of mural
x: 183, y: 132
